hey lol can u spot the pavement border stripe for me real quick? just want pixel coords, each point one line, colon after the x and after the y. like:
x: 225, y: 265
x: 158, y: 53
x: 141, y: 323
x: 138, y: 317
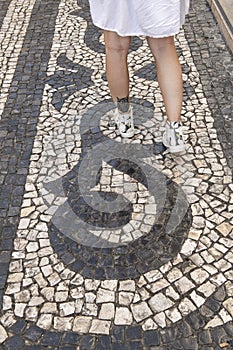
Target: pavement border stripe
x: 19, y: 121
x: 14, y: 43
x: 4, y: 4
x: 226, y: 19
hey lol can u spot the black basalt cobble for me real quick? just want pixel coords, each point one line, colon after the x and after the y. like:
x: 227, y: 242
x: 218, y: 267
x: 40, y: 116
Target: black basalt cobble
x: 150, y: 338
x: 14, y: 343
x: 19, y: 327
x: 33, y: 333
x: 51, y: 339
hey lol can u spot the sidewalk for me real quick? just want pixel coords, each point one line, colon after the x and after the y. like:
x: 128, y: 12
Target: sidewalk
x: 223, y: 11
x: 107, y: 243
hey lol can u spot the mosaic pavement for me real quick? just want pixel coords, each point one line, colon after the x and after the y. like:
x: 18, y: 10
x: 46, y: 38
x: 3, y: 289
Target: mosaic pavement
x: 109, y: 243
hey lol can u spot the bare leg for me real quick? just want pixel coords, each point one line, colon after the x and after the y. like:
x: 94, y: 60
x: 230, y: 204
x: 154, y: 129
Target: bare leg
x: 169, y: 75
x: 117, y: 48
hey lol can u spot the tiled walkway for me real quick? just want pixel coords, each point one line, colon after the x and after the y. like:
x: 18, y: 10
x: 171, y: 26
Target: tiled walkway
x: 109, y: 243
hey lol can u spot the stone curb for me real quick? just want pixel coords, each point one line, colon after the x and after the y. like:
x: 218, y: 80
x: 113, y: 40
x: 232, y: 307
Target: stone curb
x: 223, y: 12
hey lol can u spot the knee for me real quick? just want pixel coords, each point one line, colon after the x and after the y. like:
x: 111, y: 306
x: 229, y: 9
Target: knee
x: 160, y: 45
x: 116, y: 44
x: 117, y: 48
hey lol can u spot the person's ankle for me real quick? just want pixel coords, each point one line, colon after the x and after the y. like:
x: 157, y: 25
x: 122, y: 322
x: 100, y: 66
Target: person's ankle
x: 123, y: 104
x: 174, y: 123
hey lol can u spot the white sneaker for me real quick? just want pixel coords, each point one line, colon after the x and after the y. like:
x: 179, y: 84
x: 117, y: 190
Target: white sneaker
x: 173, y: 137
x: 125, y: 123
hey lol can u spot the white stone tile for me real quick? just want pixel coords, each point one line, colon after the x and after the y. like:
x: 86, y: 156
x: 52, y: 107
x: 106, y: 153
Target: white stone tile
x: 90, y: 309
x: 123, y: 316
x: 63, y: 324
x: 45, y: 321
x: 3, y: 334
x: 174, y: 315
x: 82, y: 324
x: 197, y: 299
x: 199, y: 275
x: 159, y: 303
x: 67, y: 308
x: 126, y: 298
x: 49, y: 308
x: 186, y: 306
x: 207, y: 289
x: 215, y: 322
x: 158, y: 285
x: 128, y: 286
x: 153, y: 276
x: 110, y: 285
x: 107, y: 311
x: 91, y: 284
x: 184, y: 285
x: 100, y: 327
x: 174, y: 275
x: 160, y: 319
x: 228, y: 304
x: 19, y: 309
x: 141, y: 311
x: 104, y: 296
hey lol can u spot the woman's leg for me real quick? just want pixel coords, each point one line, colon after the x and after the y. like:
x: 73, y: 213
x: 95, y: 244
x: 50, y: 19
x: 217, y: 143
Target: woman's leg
x: 169, y: 75
x: 117, y: 48
x: 170, y: 81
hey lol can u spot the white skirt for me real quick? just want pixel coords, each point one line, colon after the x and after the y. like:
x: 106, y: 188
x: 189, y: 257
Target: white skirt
x: 154, y: 18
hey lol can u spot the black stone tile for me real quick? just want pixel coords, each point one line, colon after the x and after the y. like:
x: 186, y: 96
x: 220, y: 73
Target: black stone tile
x: 151, y: 338
x: 214, y: 305
x: 219, y: 335
x: 118, y: 334
x: 206, y: 312
x: 33, y: 333
x: 185, y: 329
x: 189, y: 343
x: 133, y: 333
x: 175, y: 345
x: 3, y: 279
x: 119, y: 346
x: 6, y: 244
x: 14, y: 343
x: 204, y: 337
x: 103, y: 342
x: 135, y: 345
x: 87, y: 342
x: 5, y: 256
x: 67, y: 258
x: 71, y: 338
x: 195, y: 321
x: 78, y: 265
x: 18, y: 327
x: 51, y: 339
x: 170, y: 334
x: 220, y: 295
x: 229, y: 328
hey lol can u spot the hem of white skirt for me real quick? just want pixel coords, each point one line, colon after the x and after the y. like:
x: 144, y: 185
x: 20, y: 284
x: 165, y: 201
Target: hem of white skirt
x: 137, y: 33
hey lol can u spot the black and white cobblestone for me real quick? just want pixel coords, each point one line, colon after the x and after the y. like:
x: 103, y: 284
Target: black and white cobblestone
x: 60, y: 294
